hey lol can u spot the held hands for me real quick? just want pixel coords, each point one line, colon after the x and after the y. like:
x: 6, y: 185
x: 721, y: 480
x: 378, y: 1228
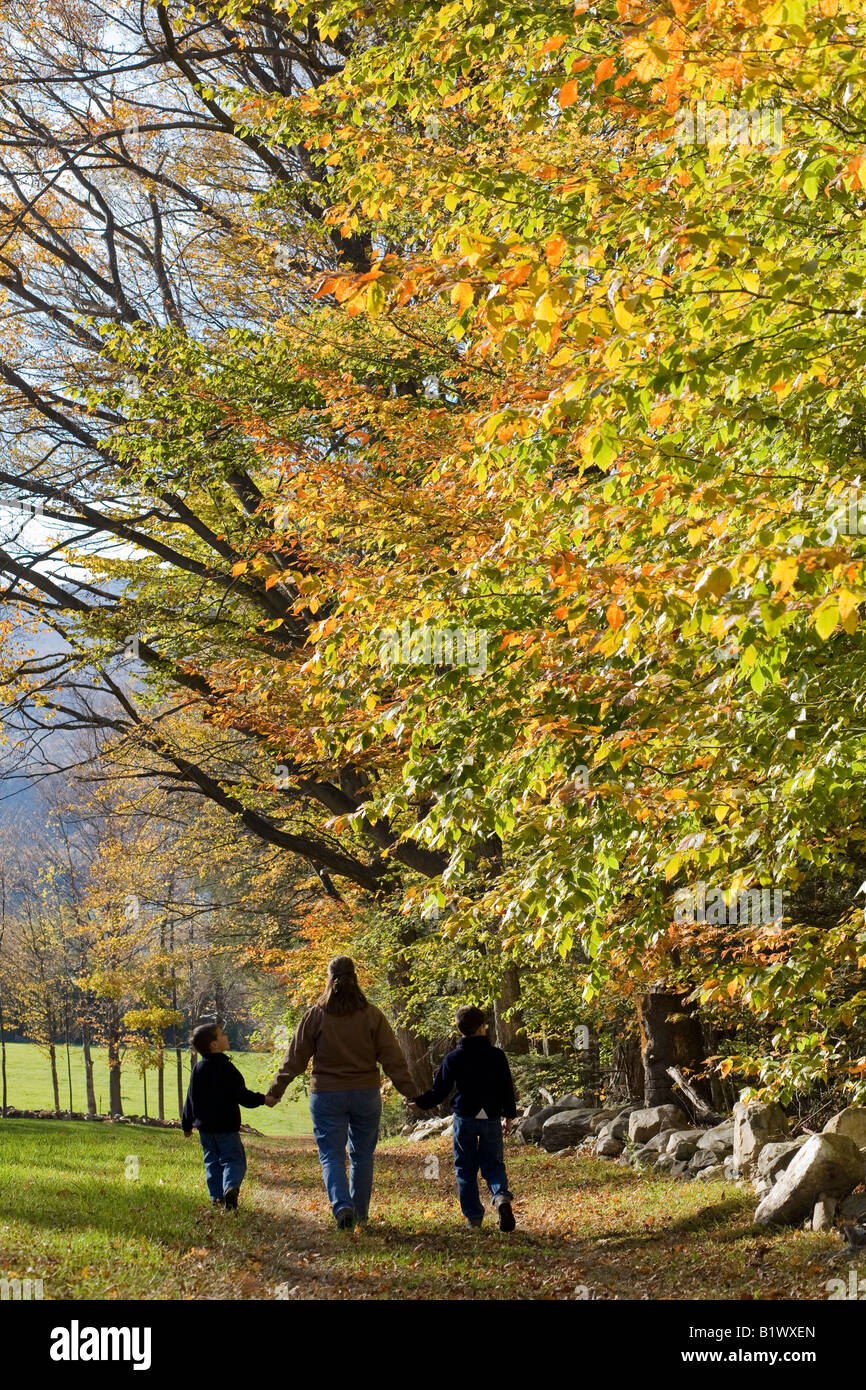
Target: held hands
x: 187, y: 1134
x: 271, y: 1101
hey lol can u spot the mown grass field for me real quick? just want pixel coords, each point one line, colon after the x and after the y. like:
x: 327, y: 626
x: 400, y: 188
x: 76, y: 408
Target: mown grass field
x: 587, y: 1228
x: 29, y: 1085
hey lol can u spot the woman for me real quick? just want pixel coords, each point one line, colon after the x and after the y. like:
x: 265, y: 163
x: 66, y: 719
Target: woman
x: 346, y: 1037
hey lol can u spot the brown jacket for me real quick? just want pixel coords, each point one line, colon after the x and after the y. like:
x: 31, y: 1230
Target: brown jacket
x: 345, y: 1049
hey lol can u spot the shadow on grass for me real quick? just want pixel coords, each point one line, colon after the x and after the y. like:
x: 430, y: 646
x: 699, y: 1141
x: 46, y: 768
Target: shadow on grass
x: 50, y: 1189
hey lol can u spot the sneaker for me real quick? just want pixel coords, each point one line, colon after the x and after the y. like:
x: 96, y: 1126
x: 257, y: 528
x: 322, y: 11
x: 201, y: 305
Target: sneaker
x: 231, y: 1198
x: 217, y: 1201
x: 345, y: 1219
x: 474, y: 1222
x: 505, y: 1214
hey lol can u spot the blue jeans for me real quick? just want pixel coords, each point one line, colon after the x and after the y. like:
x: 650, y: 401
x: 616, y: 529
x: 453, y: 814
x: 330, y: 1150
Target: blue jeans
x: 478, y: 1144
x: 225, y: 1162
x: 338, y: 1117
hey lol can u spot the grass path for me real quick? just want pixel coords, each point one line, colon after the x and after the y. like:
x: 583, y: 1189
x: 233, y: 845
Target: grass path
x: 71, y: 1216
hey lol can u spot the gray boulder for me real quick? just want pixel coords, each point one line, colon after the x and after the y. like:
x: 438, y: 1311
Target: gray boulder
x: 645, y: 1158
x: 656, y: 1145
x: 567, y: 1127
x: 852, y: 1122
x: 682, y: 1143
x: 528, y: 1130
x: 774, y: 1158
x: 571, y: 1102
x: 719, y: 1139
x: 755, y: 1125
x: 852, y: 1212
x: 619, y: 1126
x: 607, y: 1145
x: 644, y: 1124
x: 602, y: 1118
x: 825, y: 1211
x: 712, y: 1173
x: 828, y: 1165
x: 702, y: 1159
x: 532, y: 1109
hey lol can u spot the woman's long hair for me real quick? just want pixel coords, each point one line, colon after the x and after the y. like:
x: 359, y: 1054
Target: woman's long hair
x: 342, y: 993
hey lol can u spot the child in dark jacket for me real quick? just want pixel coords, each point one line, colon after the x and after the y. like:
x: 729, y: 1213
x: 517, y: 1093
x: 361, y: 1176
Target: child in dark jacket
x: 216, y: 1091
x: 484, y: 1096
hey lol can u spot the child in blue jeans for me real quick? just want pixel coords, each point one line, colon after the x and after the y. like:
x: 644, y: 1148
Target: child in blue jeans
x: 216, y: 1091
x: 483, y: 1098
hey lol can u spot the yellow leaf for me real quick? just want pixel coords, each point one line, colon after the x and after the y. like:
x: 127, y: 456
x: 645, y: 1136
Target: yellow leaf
x: 847, y: 603
x: 785, y: 573
x: 622, y: 316
x: 545, y: 310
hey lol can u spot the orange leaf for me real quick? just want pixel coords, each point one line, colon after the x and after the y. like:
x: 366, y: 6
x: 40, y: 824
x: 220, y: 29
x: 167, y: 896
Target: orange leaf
x: 615, y: 616
x: 554, y: 249
x: 568, y: 94
x: 605, y: 69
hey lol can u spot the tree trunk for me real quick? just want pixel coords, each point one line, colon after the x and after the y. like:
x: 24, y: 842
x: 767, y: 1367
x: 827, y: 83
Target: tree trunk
x: 510, y: 1032
x: 416, y: 1050
x: 415, y: 1047
x: 88, y: 1068
x: 115, y: 1103
x: 68, y: 1053
x: 144, y: 1084
x: 178, y: 1054
x: 160, y: 1084
x: 670, y: 1037
x: 175, y: 1035
x: 4, y: 1103
x: 55, y: 1083
x: 628, y: 1066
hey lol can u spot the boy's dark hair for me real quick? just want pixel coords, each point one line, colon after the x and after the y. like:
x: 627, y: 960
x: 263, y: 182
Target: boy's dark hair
x: 203, y: 1036
x: 469, y: 1020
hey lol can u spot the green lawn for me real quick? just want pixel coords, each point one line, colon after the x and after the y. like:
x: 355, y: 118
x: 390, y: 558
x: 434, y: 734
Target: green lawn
x: 71, y: 1216
x: 29, y: 1084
